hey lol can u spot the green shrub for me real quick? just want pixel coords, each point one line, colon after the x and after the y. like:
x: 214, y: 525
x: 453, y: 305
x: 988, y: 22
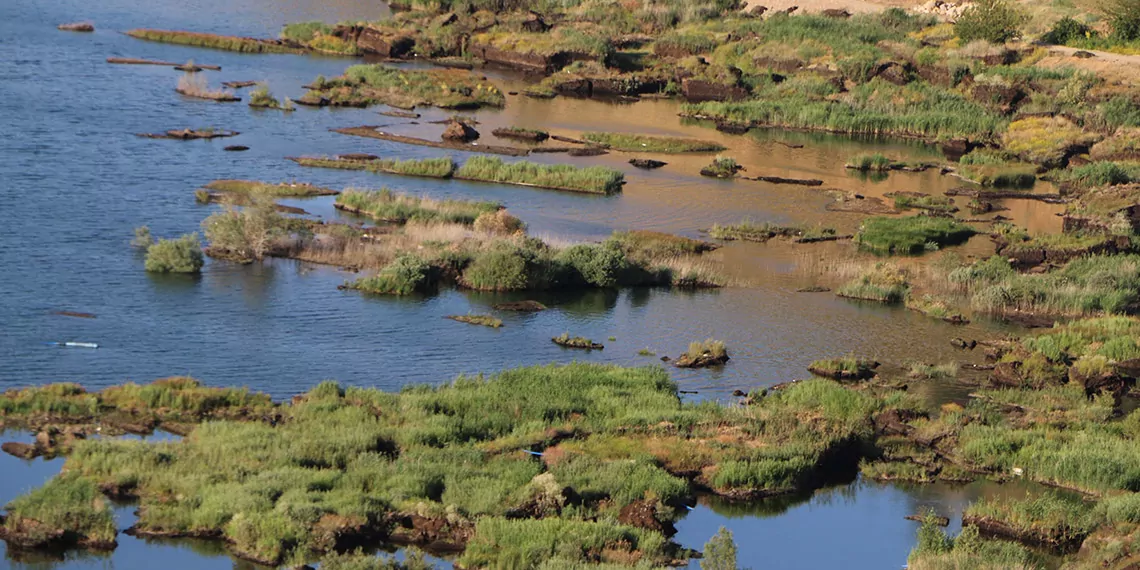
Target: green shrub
x: 995, y: 21
x: 600, y: 265
x: 1066, y: 30
x: 182, y: 255
x: 502, y: 268
x: 407, y: 274
x: 870, y: 163
x: 592, y: 179
x: 1124, y: 18
x: 528, y: 543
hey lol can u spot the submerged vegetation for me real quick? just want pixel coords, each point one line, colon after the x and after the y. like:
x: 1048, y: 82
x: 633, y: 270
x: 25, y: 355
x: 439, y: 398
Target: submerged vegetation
x: 644, y: 143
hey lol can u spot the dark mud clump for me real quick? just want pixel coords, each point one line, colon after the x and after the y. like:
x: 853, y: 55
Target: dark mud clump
x: 236, y: 148
x: 521, y: 306
x: 844, y: 368
x: 517, y: 133
x: 77, y: 27
x: 188, y: 134
x: 238, y: 84
x: 646, y: 163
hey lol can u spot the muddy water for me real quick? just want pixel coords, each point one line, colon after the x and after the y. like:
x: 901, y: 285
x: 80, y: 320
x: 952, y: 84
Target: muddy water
x: 76, y: 182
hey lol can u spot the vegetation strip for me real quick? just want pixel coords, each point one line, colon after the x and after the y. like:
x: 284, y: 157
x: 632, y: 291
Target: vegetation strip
x: 228, y: 43
x: 137, y: 61
x: 591, y: 180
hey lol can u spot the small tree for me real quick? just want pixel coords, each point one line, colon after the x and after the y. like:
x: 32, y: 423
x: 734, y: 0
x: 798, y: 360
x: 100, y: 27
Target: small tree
x: 245, y: 233
x: 1124, y: 17
x: 182, y: 255
x: 996, y: 21
x: 720, y: 552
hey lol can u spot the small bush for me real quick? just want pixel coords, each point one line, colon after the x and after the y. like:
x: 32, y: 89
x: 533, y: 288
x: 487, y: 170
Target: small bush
x: 499, y: 223
x: 407, y: 274
x: 182, y: 255
x: 870, y: 163
x: 600, y: 265
x: 996, y: 21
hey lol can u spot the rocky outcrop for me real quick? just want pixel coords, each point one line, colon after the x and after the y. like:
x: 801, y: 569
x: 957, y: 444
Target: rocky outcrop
x: 1003, y: 99
x: 376, y: 42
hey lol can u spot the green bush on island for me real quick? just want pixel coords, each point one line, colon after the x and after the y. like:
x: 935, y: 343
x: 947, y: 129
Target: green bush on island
x: 600, y: 265
x: 720, y: 552
x: 592, y: 179
x: 181, y: 255
x: 395, y: 207
x: 484, y: 320
x: 646, y: 143
x: 910, y: 235
x: 245, y: 234
x: 407, y: 274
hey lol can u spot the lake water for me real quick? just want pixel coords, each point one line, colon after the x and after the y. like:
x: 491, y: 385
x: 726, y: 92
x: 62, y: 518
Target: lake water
x: 77, y: 181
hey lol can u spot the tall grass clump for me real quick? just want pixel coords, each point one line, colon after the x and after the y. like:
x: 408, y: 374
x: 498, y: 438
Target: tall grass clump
x: 870, y: 163
x: 910, y: 235
x: 407, y: 274
x: 400, y: 208
x: 1084, y: 286
x: 593, y: 179
x: 67, y: 503
x: 529, y: 543
x: 304, y: 31
x: 646, y: 143
x: 181, y: 255
x: 710, y: 347
x: 1050, y: 518
x: 883, y: 282
x: 873, y: 108
x: 997, y: 169
x: 1100, y: 173
x: 143, y: 238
